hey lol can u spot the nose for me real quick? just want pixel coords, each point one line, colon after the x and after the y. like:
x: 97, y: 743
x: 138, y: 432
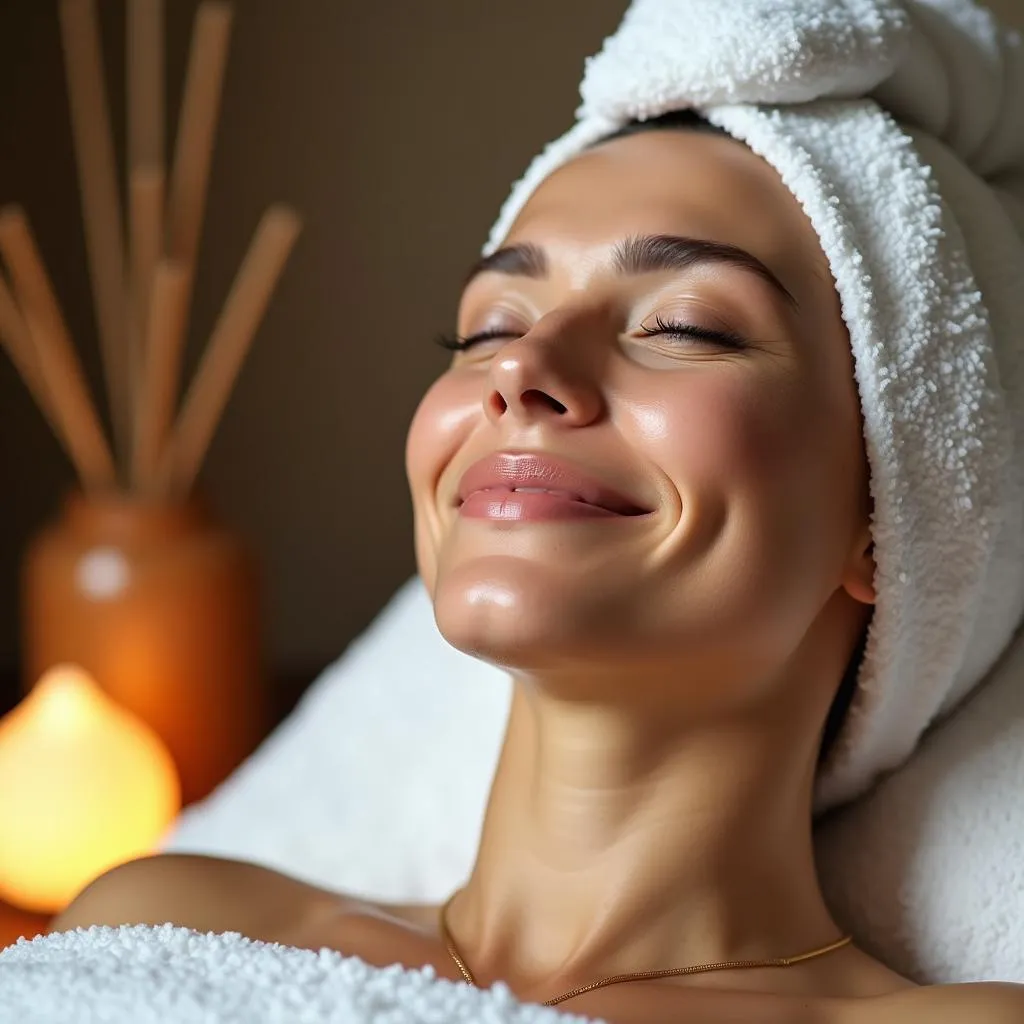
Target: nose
x: 544, y: 376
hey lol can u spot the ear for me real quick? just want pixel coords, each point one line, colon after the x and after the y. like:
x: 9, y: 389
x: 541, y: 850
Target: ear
x: 859, y: 578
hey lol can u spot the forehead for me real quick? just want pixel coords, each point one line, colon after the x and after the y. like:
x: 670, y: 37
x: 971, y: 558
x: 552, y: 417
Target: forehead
x: 687, y: 183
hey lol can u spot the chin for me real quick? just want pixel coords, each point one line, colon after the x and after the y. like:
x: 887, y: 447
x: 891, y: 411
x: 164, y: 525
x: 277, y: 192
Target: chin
x: 513, y: 613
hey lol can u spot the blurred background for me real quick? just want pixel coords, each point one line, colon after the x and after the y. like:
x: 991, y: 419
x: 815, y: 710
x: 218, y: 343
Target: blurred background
x: 396, y: 129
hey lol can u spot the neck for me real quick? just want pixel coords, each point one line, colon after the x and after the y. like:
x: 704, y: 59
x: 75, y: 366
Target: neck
x: 618, y: 841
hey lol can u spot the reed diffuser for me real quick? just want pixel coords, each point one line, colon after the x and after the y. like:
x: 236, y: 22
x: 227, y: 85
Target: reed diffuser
x: 136, y: 581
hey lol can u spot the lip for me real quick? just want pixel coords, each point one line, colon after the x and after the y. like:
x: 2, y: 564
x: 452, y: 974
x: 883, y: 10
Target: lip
x: 488, y: 490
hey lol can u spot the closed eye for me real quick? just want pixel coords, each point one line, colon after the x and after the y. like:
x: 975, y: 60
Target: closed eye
x: 458, y: 343
x: 681, y: 331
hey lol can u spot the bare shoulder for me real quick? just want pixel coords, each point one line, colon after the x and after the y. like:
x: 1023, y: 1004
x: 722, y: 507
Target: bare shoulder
x: 981, y: 1002
x: 977, y: 1003
x: 203, y: 893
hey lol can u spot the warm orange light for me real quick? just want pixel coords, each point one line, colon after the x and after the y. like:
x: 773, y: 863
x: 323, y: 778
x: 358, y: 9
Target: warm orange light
x: 84, y: 786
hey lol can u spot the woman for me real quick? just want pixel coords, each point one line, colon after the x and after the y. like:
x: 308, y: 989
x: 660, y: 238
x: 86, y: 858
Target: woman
x: 641, y: 487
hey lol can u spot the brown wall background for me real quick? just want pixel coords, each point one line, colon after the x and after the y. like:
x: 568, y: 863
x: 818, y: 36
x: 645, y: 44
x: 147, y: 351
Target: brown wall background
x: 396, y: 127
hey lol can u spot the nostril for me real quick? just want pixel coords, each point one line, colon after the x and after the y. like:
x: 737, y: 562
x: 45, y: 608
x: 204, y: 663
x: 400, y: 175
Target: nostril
x: 533, y: 396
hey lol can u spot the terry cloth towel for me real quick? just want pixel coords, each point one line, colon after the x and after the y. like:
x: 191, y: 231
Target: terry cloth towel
x: 899, y: 127
x: 166, y: 975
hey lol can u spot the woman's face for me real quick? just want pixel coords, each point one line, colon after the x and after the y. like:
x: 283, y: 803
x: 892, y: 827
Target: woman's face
x: 660, y: 341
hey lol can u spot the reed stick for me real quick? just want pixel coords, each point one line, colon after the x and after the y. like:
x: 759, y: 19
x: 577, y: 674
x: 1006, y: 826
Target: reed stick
x: 16, y: 338
x: 145, y: 36
x: 159, y: 383
x: 146, y: 178
x: 104, y: 232
x: 146, y: 198
x: 187, y: 191
x: 193, y: 150
x: 58, y: 364
x: 17, y: 341
x: 243, y: 310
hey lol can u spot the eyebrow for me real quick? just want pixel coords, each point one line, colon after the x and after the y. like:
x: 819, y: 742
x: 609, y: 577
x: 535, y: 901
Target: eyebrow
x: 641, y: 254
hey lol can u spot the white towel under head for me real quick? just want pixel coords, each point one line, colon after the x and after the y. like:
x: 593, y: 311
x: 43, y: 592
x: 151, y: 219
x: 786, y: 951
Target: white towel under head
x: 899, y: 127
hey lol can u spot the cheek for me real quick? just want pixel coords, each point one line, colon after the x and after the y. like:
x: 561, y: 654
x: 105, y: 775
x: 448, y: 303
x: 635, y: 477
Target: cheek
x: 749, y: 454
x: 762, y: 450
x: 443, y: 420
x: 722, y: 431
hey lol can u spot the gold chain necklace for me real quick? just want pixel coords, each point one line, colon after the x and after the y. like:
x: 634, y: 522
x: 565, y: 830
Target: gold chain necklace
x: 727, y: 965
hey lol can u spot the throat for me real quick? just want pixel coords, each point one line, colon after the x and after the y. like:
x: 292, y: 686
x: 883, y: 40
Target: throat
x: 606, y: 852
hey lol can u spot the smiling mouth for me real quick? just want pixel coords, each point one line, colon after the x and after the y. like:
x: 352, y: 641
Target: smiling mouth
x: 613, y: 507
x: 537, y: 504
x: 536, y: 485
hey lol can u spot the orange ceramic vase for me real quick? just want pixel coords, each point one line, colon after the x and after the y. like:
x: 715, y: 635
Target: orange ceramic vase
x: 161, y: 605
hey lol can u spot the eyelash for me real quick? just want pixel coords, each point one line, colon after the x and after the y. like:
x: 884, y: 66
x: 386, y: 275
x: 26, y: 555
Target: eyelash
x: 457, y: 343
x: 675, y: 329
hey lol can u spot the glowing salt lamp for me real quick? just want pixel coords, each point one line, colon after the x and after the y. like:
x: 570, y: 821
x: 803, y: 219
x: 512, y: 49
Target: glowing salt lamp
x: 84, y: 786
